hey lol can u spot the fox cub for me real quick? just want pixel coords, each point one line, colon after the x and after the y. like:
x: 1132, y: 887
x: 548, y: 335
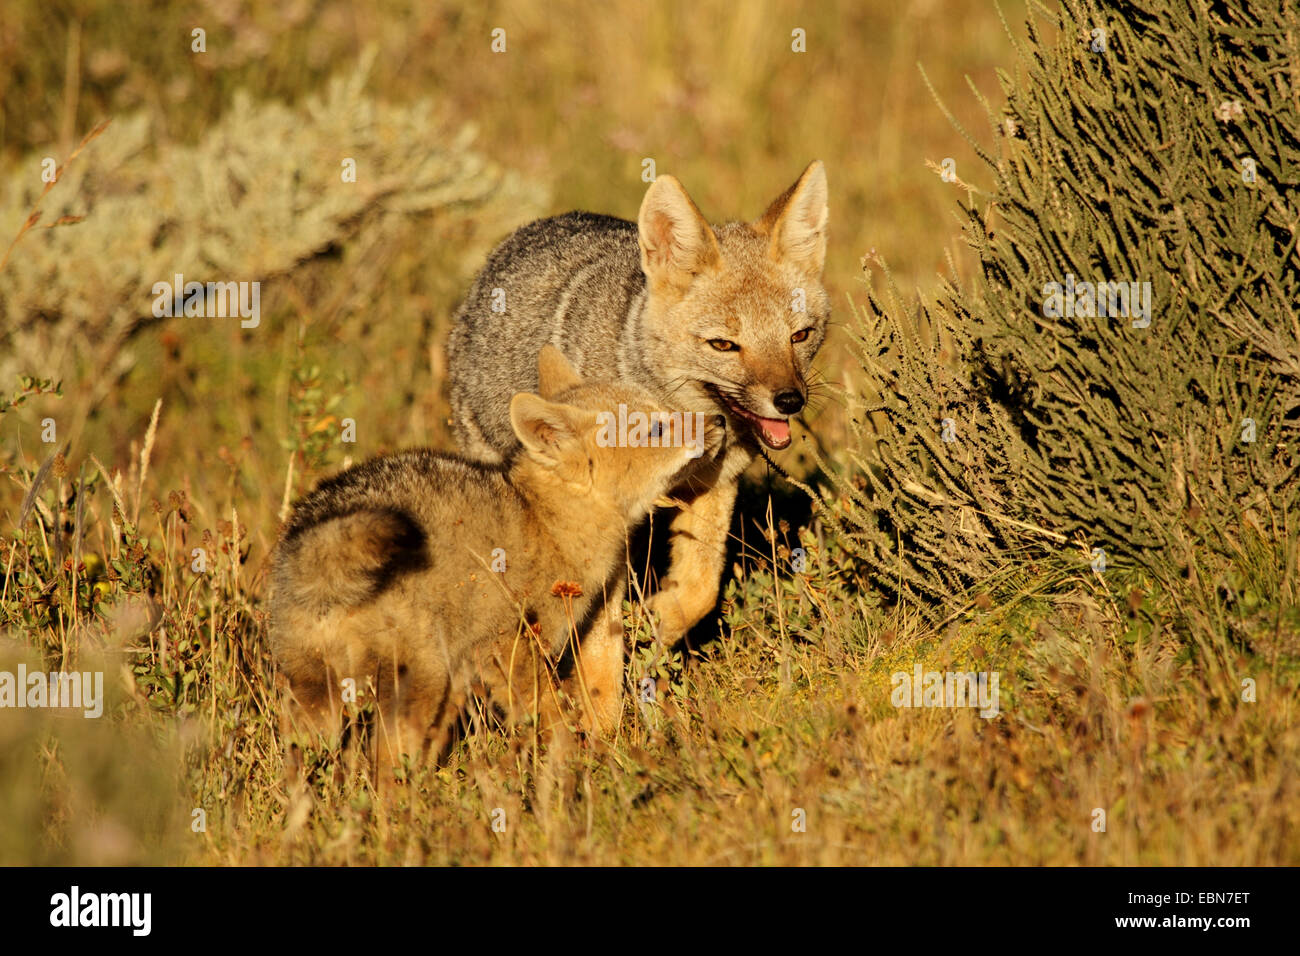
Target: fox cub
x: 716, y: 319
x: 423, y: 577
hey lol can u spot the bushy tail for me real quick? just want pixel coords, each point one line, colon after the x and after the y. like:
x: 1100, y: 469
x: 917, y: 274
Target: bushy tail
x: 349, y: 559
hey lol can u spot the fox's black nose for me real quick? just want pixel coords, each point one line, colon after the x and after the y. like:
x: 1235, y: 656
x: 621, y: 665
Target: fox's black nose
x: 720, y: 421
x: 789, y: 401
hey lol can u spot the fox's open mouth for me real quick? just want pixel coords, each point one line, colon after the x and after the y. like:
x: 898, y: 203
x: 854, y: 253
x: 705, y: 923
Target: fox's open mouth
x: 775, y: 432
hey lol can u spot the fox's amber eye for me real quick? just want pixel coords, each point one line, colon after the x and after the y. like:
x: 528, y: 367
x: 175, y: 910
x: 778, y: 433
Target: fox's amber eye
x: 724, y: 345
x: 799, y: 336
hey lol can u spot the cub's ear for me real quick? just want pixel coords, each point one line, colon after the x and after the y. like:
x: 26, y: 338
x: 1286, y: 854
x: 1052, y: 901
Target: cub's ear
x: 545, y: 429
x: 677, y: 243
x: 555, y: 373
x: 796, y: 221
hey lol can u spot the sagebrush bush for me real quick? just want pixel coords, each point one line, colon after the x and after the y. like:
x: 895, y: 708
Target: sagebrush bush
x: 262, y: 192
x: 1141, y: 143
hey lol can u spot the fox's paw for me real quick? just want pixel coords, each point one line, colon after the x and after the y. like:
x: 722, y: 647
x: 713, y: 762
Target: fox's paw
x: 677, y: 610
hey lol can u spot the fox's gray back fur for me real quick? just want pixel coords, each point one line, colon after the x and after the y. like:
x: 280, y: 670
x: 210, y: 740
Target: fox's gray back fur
x: 573, y: 281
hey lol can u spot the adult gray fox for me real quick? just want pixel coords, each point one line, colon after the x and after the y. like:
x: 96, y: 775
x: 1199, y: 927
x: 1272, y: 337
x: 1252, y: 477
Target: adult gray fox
x: 707, y: 318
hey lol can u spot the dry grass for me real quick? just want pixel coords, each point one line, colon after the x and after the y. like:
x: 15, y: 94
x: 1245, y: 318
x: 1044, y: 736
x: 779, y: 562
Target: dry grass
x: 1102, y: 707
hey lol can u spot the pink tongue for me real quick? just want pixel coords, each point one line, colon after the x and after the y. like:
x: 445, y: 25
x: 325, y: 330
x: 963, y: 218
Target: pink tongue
x: 776, y: 431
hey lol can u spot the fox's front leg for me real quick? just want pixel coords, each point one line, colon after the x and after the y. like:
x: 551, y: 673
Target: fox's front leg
x: 597, y: 682
x: 698, y: 535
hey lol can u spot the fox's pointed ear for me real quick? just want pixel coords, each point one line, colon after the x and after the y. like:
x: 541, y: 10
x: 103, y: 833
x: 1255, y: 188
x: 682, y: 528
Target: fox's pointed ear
x: 544, y: 428
x: 796, y: 221
x: 555, y: 374
x: 677, y: 243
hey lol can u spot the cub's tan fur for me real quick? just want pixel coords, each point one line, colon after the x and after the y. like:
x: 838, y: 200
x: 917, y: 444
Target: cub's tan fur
x: 389, y: 573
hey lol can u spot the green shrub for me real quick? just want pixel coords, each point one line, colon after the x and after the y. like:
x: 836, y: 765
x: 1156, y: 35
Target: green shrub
x: 1123, y: 154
